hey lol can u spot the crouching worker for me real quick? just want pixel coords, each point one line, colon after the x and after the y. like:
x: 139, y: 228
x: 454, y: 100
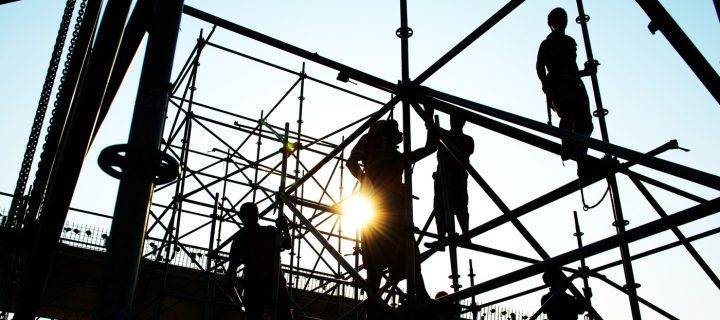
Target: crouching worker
x: 558, y: 71
x: 265, y: 294
x: 386, y: 239
x: 558, y: 304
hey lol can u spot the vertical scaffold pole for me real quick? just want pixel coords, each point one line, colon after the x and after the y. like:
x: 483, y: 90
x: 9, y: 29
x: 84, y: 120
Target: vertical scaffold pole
x: 340, y: 225
x: 301, y: 100
x: 222, y: 201
x: 472, y: 275
x: 257, y: 154
x: 286, y: 151
x: 587, y: 291
x: 136, y: 186
x: 207, y: 311
x: 173, y: 229
x: 404, y: 32
x: 620, y: 221
x: 299, y: 243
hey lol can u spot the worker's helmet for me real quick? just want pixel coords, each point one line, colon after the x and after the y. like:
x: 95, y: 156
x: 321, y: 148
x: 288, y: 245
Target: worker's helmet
x: 552, y: 276
x: 557, y: 18
x: 389, y: 129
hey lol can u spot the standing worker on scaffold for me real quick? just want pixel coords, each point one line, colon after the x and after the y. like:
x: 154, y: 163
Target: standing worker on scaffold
x: 558, y: 71
x: 258, y: 248
x: 386, y: 239
x: 451, y: 193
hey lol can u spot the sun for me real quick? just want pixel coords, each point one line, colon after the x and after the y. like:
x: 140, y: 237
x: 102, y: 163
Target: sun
x: 357, y: 211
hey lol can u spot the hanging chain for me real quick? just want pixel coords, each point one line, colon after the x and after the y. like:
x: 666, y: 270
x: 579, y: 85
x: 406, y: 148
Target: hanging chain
x: 46, y: 156
x: 16, y: 208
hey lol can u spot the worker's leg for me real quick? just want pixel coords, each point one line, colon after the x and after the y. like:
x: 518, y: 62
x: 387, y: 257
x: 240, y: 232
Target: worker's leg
x: 374, y: 311
x: 422, y: 293
x: 567, y: 124
x: 439, y: 211
x: 460, y: 206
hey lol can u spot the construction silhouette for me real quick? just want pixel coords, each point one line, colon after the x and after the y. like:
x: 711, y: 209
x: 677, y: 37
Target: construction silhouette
x: 193, y: 178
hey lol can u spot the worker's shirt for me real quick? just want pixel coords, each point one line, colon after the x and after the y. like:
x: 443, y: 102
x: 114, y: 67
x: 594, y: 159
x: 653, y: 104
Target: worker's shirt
x: 383, y: 163
x: 558, y: 52
x: 562, y: 307
x: 452, y: 172
x: 259, y: 250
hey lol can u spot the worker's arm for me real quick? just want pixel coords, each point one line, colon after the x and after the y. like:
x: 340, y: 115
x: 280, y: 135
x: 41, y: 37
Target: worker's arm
x: 235, y: 257
x: 590, y: 69
x: 419, y: 154
x: 353, y: 165
x: 430, y: 147
x: 540, y: 68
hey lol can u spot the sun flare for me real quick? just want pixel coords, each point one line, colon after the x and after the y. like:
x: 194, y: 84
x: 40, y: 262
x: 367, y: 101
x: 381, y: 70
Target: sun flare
x: 357, y: 211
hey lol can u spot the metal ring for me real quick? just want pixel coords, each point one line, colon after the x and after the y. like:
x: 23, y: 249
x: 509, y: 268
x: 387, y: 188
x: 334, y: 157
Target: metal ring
x: 604, y: 111
x: 406, y: 32
x: 580, y: 19
x: 623, y: 222
x: 115, y: 160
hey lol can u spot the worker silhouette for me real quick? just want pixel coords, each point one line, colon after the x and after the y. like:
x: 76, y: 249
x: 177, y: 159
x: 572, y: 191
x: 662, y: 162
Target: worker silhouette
x: 448, y: 310
x: 558, y: 304
x: 451, y: 197
x: 385, y: 240
x: 558, y: 71
x: 265, y: 294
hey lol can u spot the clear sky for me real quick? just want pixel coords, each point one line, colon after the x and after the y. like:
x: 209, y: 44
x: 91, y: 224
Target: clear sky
x: 651, y: 94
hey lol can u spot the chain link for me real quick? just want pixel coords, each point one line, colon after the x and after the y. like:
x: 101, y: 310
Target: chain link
x: 18, y: 199
x: 47, y: 156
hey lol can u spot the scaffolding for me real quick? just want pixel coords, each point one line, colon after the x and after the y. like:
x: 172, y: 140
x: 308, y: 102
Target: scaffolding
x: 178, y: 201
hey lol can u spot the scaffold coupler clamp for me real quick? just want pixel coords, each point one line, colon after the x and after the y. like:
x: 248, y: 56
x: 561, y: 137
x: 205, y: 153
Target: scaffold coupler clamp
x: 634, y: 285
x: 404, y: 33
x: 115, y: 160
x: 584, y: 272
x: 623, y: 222
x: 582, y: 19
x: 601, y: 113
x: 653, y: 26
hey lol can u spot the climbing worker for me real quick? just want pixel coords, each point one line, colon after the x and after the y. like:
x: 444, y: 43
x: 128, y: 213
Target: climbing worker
x: 258, y: 249
x: 451, y: 197
x: 558, y: 71
x: 385, y: 241
x: 558, y: 304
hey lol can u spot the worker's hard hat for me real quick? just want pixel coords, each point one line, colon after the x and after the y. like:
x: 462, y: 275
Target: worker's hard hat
x: 557, y: 17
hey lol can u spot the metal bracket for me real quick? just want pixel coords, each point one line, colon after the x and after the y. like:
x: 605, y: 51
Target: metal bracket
x: 115, y: 160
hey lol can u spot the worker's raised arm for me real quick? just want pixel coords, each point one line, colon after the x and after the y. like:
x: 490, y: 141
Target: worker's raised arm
x: 357, y: 154
x: 430, y: 147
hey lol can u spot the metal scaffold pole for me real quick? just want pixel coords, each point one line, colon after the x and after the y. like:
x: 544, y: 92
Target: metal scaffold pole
x: 145, y: 165
x: 616, y: 205
x: 404, y: 32
x: 212, y: 186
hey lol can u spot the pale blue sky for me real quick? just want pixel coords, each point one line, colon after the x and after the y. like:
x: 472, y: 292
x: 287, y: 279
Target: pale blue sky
x: 652, y: 96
